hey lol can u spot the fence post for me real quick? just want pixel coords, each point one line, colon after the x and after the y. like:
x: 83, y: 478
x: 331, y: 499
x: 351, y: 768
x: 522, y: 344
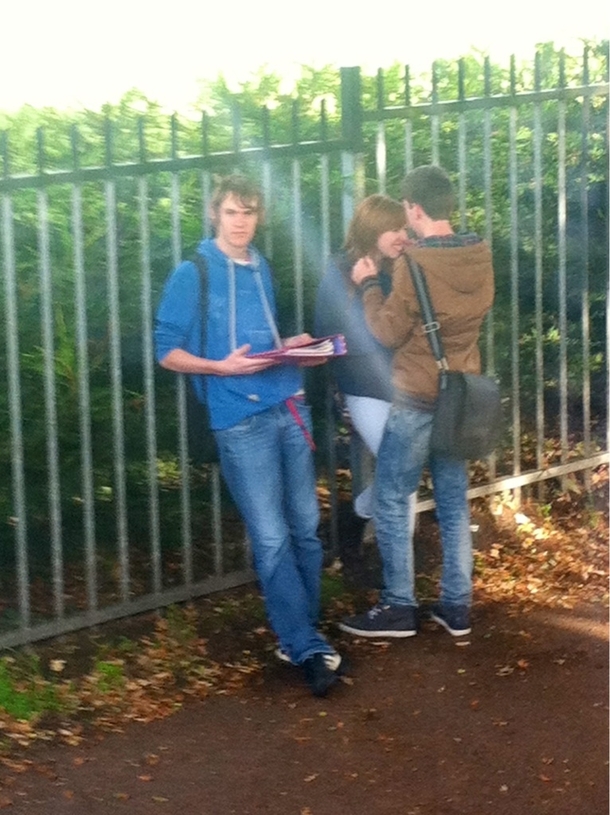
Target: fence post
x: 353, y: 190
x: 352, y: 156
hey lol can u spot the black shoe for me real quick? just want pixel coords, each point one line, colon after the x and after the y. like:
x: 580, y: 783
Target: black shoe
x: 456, y: 619
x: 318, y: 675
x: 334, y: 662
x: 383, y: 621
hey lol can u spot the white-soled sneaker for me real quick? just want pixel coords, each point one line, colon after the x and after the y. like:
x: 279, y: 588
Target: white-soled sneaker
x: 334, y: 662
x: 383, y: 621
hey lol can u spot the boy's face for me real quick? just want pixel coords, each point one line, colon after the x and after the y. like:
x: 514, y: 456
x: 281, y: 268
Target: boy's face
x: 235, y: 223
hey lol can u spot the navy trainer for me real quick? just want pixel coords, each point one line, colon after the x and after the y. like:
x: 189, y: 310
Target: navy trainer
x: 456, y: 619
x: 318, y: 675
x: 383, y: 621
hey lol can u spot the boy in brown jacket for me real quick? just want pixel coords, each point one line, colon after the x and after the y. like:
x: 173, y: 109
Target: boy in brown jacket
x: 459, y: 273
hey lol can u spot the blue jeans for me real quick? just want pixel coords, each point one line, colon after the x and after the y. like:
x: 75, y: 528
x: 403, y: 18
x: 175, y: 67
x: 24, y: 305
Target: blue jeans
x: 269, y: 470
x: 404, y: 451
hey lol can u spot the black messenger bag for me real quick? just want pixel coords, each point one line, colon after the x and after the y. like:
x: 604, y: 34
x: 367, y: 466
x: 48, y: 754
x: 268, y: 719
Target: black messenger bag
x: 468, y: 415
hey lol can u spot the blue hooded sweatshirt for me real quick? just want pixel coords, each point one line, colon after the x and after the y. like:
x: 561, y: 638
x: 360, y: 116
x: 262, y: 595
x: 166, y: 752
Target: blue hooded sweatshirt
x: 237, y: 315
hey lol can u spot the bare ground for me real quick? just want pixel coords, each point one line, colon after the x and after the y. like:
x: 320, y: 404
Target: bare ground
x: 512, y: 720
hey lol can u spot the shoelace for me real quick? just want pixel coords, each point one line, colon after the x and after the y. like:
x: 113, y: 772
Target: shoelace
x: 375, y: 611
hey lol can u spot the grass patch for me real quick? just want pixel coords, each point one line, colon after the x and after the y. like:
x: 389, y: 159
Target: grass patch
x: 24, y: 692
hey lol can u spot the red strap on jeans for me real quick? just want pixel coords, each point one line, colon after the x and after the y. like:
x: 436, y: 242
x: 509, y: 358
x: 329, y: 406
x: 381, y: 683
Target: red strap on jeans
x: 299, y: 420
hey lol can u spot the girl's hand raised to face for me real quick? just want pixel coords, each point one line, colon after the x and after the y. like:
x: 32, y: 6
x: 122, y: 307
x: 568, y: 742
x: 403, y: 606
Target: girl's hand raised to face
x: 363, y: 268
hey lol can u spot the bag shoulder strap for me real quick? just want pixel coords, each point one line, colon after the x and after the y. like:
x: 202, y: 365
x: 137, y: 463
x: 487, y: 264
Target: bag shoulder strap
x: 431, y: 324
x: 202, y: 267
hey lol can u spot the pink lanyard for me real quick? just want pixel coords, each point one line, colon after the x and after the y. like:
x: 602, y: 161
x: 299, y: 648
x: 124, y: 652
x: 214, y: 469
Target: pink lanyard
x: 298, y: 419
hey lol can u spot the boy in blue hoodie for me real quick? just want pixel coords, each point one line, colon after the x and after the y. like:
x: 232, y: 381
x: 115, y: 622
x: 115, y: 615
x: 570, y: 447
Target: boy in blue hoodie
x: 260, y: 420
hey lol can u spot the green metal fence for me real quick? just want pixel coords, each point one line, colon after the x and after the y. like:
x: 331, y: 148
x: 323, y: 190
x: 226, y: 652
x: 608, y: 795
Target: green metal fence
x: 102, y: 515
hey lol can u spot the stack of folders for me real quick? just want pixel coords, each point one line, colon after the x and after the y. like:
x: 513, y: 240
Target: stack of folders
x: 321, y: 348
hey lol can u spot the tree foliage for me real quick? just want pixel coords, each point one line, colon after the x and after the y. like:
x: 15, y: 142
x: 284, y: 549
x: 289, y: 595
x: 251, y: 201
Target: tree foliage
x: 263, y: 112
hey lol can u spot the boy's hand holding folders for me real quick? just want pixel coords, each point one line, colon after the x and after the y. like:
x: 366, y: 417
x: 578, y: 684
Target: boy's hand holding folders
x: 306, y: 350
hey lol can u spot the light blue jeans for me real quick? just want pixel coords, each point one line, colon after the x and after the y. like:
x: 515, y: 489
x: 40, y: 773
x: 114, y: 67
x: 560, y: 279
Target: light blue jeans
x: 368, y: 416
x: 269, y: 470
x: 404, y: 451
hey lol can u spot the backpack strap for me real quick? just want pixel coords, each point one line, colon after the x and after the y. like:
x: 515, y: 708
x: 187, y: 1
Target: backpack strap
x: 202, y: 267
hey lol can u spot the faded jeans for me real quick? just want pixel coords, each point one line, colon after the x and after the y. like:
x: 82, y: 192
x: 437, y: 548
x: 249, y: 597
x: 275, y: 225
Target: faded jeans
x: 402, y: 456
x: 269, y: 470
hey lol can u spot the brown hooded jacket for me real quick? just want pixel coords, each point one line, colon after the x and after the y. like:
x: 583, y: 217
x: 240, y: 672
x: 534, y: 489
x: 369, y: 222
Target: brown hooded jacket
x: 461, y: 286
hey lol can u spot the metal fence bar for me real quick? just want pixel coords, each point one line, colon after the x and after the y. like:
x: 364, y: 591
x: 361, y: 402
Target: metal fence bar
x: 538, y: 269
x: 522, y: 98
x: 138, y: 605
x: 19, y: 520
x: 490, y: 351
x: 50, y: 401
x: 297, y: 228
x: 513, y: 180
x: 585, y: 317
x: 267, y: 185
x: 181, y: 379
x: 381, y: 158
x: 297, y: 244
x: 149, y: 386
x: 214, y: 470
x: 408, y: 124
x: 562, y: 271
x: 380, y: 142
x: 513, y: 483
x: 462, y: 161
x: 116, y: 386
x: 84, y: 394
x: 324, y: 209
x: 435, y: 120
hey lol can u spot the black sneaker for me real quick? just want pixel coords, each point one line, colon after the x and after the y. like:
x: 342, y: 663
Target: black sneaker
x: 383, y: 621
x: 456, y: 619
x: 334, y: 662
x: 318, y: 675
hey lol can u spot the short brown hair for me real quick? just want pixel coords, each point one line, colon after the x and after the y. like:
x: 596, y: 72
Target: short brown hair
x: 373, y: 216
x: 243, y: 188
x: 431, y: 188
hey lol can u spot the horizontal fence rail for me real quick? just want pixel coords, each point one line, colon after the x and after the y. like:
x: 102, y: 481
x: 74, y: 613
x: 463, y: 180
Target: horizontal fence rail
x: 102, y: 514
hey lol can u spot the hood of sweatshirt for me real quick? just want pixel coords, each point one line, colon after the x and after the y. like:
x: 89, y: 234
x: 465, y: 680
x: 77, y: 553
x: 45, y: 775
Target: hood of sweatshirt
x: 460, y: 280
x: 209, y: 249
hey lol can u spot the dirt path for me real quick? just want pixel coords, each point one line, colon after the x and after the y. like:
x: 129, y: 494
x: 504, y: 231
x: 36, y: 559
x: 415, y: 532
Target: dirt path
x: 513, y: 723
